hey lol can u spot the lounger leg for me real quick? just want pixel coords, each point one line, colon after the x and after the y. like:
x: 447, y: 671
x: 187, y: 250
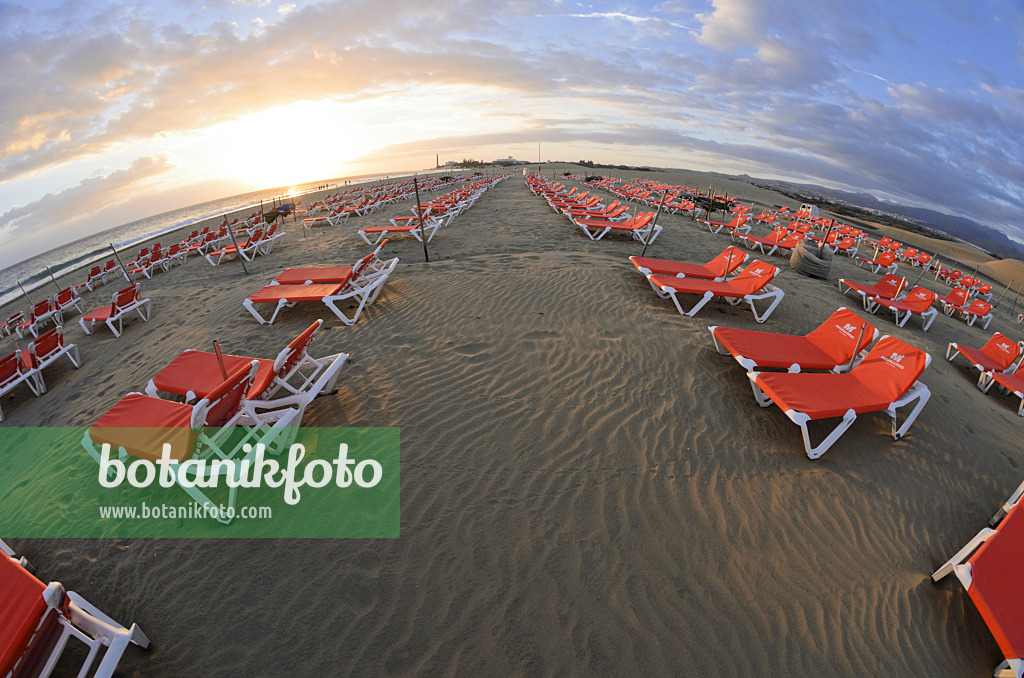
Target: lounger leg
x: 917, y: 392
x: 927, y: 318
x: 801, y: 419
x: 776, y: 297
x: 963, y: 554
x: 952, y: 351
x: 705, y: 298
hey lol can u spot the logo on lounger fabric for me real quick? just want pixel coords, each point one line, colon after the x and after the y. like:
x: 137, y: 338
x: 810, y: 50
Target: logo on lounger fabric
x: 847, y: 330
x: 895, y: 360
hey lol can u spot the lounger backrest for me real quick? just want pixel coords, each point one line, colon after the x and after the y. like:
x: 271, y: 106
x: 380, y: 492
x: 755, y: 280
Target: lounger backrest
x: 29, y: 630
x: 888, y: 286
x: 886, y: 258
x: 94, y: 271
x: 361, y: 265
x: 226, y: 399
x: 728, y: 261
x: 884, y: 242
x: 124, y: 298
x: 839, y: 334
x: 291, y: 354
x: 64, y: 297
x: 41, y: 348
x: 920, y: 298
x: 846, y: 243
x: 754, y: 277
x: 40, y: 308
x: 979, y: 307
x: 891, y: 367
x: 957, y: 296
x: 1002, y: 350
x: 10, y: 368
x: 779, y: 234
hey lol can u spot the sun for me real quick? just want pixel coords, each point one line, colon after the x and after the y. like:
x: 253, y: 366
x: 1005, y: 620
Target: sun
x: 287, y: 145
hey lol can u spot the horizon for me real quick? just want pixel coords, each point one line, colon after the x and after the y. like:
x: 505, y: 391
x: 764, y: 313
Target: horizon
x: 117, y: 112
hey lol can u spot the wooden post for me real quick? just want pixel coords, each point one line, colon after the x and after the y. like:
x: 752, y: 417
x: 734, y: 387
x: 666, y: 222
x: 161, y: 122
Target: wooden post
x: 1001, y: 295
x: 419, y: 210
x: 127, y: 275
x: 234, y: 242
x: 654, y: 223
x: 863, y: 329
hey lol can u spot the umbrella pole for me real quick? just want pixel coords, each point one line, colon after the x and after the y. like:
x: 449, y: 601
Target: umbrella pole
x: 234, y: 242
x: 26, y: 294
x: 220, y: 360
x: 53, y: 279
x: 127, y: 275
x: 863, y: 329
x: 1014, y: 307
x: 419, y: 211
x: 1003, y: 294
x: 654, y: 223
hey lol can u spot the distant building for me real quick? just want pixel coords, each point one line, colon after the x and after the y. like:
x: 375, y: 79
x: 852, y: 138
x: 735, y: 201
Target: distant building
x: 510, y: 161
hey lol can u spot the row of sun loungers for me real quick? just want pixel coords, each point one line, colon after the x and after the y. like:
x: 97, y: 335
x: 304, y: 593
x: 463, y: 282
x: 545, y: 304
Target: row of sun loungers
x: 25, y: 366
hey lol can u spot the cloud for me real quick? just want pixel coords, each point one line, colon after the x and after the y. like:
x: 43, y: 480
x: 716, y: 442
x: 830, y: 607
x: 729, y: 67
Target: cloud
x: 56, y: 217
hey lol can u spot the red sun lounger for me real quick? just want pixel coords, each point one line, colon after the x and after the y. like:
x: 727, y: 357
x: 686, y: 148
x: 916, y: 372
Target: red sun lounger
x: 780, y: 240
x: 718, y: 268
x: 976, y: 310
x: 997, y: 355
x: 124, y: 301
x: 37, y: 620
x: 737, y: 225
x: 1013, y: 383
x: 886, y: 260
x: 889, y: 287
x: 196, y: 374
x: 412, y: 227
x: 364, y: 291
x: 641, y: 227
x: 990, y: 569
x: 15, y: 370
x: 828, y: 347
x: 139, y: 425
x: 917, y: 302
x: 752, y: 284
x: 883, y: 382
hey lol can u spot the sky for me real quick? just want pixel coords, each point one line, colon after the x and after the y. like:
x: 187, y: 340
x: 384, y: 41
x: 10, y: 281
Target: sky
x: 115, y: 111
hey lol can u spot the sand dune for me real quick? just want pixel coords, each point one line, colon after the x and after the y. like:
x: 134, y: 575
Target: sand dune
x: 588, y: 488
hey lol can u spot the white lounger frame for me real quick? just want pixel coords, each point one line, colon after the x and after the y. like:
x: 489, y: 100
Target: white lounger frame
x: 918, y: 392
x: 768, y: 292
x: 366, y: 290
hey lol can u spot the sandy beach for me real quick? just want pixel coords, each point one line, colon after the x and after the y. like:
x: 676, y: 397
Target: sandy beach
x: 587, y: 487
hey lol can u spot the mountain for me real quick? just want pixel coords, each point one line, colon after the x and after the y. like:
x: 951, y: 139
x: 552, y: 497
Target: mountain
x: 918, y: 218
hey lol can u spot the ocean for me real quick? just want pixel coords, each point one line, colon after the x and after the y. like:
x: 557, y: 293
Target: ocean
x: 94, y: 249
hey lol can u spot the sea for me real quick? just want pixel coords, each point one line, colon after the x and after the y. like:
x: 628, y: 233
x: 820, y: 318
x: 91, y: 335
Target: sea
x: 30, y: 275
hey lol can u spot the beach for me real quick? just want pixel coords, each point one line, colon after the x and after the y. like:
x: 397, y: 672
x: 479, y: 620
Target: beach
x: 587, y: 487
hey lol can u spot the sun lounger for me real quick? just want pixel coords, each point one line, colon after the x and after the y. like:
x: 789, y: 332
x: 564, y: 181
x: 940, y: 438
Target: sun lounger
x: 917, y: 302
x: 15, y: 370
x: 884, y: 381
x: 412, y: 227
x: 196, y: 374
x: 737, y: 225
x: 989, y: 567
x: 65, y: 299
x: 364, y: 290
x: 1011, y: 382
x: 752, y: 284
x: 46, y: 350
x: 886, y: 260
x: 42, y: 312
x: 828, y: 347
x: 976, y: 310
x: 246, y: 249
x: 780, y: 240
x: 718, y: 268
x: 37, y: 620
x: 220, y: 425
x: 997, y: 355
x: 889, y: 287
x: 12, y: 325
x: 641, y: 227
x: 124, y: 301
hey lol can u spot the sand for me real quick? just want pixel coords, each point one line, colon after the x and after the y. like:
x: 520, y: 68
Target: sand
x: 587, y: 487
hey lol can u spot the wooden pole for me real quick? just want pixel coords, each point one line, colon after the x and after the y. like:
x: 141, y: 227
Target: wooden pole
x: 26, y: 294
x: 1001, y: 295
x: 1014, y: 307
x: 234, y: 242
x: 127, y: 275
x: 419, y: 210
x: 863, y: 329
x: 53, y: 279
x: 220, y: 360
x: 654, y: 223
x: 823, y: 241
